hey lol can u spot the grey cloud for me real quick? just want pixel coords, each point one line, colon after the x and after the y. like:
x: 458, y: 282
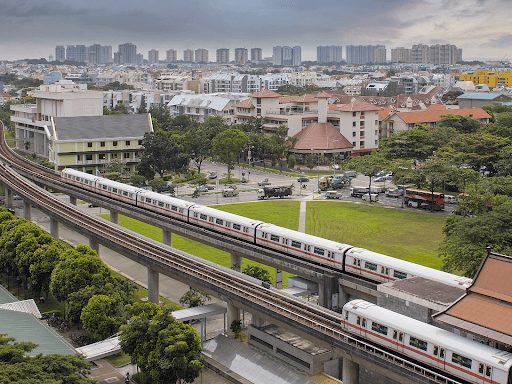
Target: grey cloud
x: 503, y: 41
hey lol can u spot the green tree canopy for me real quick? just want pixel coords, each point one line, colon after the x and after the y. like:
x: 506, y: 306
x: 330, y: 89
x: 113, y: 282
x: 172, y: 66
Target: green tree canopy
x: 102, y: 317
x: 412, y: 144
x: 281, y: 143
x: 227, y: 145
x: 166, y: 350
x: 258, y: 273
x: 163, y: 151
x: 194, y: 298
x: 463, y: 124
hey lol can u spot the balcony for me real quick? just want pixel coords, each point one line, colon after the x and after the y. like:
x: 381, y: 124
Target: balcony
x: 292, y: 112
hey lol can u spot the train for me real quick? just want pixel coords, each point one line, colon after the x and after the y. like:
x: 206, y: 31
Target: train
x: 347, y: 258
x: 467, y: 359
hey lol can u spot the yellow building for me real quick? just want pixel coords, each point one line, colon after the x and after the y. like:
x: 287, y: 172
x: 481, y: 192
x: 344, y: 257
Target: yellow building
x: 490, y: 78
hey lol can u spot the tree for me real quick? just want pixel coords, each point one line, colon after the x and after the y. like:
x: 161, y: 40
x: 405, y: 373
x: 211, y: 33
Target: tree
x: 478, y: 201
x: 163, y: 151
x: 369, y: 165
x: 291, y: 161
x: 76, y: 271
x: 194, y: 298
x: 466, y: 240
x: 258, y: 273
x: 413, y: 144
x: 166, y: 350
x: 281, y: 143
x: 101, y: 317
x: 433, y: 174
x: 236, y: 327
x: 463, y: 124
x: 17, y: 368
x: 227, y: 145
x: 26, y: 249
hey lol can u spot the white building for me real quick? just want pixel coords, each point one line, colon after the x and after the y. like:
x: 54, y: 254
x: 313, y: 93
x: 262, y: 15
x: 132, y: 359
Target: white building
x: 153, y: 56
x: 172, y: 55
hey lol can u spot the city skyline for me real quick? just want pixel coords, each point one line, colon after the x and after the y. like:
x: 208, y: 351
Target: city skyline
x: 479, y: 27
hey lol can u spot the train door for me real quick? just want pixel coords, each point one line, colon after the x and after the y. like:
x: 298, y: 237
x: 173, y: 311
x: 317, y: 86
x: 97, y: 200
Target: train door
x: 398, y: 339
x: 384, y: 271
x: 361, y: 324
x: 486, y: 372
x: 357, y: 265
x: 440, y: 356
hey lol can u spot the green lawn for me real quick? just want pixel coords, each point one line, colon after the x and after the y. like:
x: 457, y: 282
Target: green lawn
x: 411, y: 236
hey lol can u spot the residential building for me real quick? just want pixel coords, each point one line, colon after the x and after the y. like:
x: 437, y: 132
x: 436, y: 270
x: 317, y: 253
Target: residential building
x: 139, y: 58
x: 329, y: 54
x: 188, y: 55
x: 287, y: 56
x: 479, y: 99
x: 99, y: 54
x: 305, y: 78
x: 76, y: 53
x: 490, y: 78
x: 222, y: 55
x: 171, y: 82
x: 60, y: 53
x: 201, y: 55
x: 365, y: 54
x: 153, y: 56
x: 127, y: 53
x: 61, y: 99
x: 419, y: 54
x: 52, y: 77
x: 201, y: 107
x: 256, y: 55
x: 88, y: 143
x: 400, y: 55
x: 438, y: 54
x: 172, y: 55
x: 241, y: 55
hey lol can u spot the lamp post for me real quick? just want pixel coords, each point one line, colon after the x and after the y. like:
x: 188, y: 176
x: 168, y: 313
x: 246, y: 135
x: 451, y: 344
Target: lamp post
x: 335, y: 141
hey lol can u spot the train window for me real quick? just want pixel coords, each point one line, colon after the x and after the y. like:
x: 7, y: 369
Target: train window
x: 370, y: 266
x: 358, y: 263
x: 358, y: 320
x: 181, y: 210
x: 381, y: 269
x: 399, y: 275
x: 196, y: 214
x: 148, y: 200
x: 125, y: 193
x: 382, y: 329
x: 364, y: 323
x: 219, y: 221
x: 481, y: 368
x: 420, y: 344
x: 309, y: 248
x: 129, y: 195
x: 211, y: 219
x: 203, y: 217
x: 274, y: 238
x: 401, y: 337
x: 114, y: 190
x: 104, y: 186
x: 246, y: 230
x: 395, y: 334
x: 228, y: 224
x: 160, y: 204
x: 464, y: 361
x: 237, y: 227
x: 285, y: 241
x: 488, y: 370
x: 387, y: 271
x: 436, y: 350
x: 346, y: 315
x: 167, y: 206
x: 296, y: 244
x: 175, y: 209
x: 441, y: 354
x: 355, y: 261
x: 319, y: 251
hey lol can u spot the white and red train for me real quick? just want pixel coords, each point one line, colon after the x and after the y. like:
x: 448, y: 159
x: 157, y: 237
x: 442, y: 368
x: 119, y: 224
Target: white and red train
x: 459, y: 356
x: 357, y: 261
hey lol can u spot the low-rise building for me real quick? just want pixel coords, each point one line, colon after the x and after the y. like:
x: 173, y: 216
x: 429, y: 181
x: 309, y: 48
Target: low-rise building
x: 479, y: 99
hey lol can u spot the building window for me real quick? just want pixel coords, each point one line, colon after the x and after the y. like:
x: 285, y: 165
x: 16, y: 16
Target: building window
x: 353, y: 134
x: 361, y: 123
x: 354, y: 124
x: 127, y: 143
x: 361, y: 134
x: 89, y: 145
x: 376, y: 142
x: 375, y: 132
x: 258, y: 111
x: 102, y: 143
x: 88, y: 157
x: 361, y: 144
x: 126, y: 155
x: 78, y: 157
x: 258, y: 100
x: 353, y: 143
x: 114, y: 143
x: 101, y: 156
x: 376, y: 122
x: 362, y: 113
x: 354, y: 114
x: 114, y: 155
x: 140, y: 142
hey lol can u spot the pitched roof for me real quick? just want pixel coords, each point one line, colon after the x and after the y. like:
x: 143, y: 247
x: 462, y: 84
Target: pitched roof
x: 479, y: 96
x: 434, y: 115
x: 359, y: 106
x: 417, y: 102
x: 265, y: 93
x: 102, y: 127
x: 323, y: 94
x: 247, y: 103
x: 321, y: 136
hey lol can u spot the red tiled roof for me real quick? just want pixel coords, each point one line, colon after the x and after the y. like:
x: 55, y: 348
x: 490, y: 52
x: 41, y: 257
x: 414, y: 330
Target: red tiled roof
x: 434, y: 115
x: 385, y: 112
x: 359, y: 106
x: 265, y: 93
x: 307, y: 98
x: 321, y: 136
x: 247, y: 103
x: 323, y: 94
x: 400, y: 101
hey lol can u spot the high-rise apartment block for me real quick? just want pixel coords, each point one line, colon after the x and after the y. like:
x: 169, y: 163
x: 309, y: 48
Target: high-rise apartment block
x: 127, y: 53
x: 329, y: 54
x: 188, y: 55
x: 99, y: 54
x: 400, y: 55
x: 172, y: 55
x: 241, y: 55
x: 201, y: 55
x: 153, y: 56
x: 287, y: 56
x: 60, y: 53
x: 365, y: 54
x: 76, y: 53
x: 222, y: 55
x: 438, y: 54
x: 256, y: 55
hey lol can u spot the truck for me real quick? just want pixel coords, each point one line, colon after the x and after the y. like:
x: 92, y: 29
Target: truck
x: 331, y: 183
x: 276, y: 191
x: 394, y: 193
x: 358, y: 191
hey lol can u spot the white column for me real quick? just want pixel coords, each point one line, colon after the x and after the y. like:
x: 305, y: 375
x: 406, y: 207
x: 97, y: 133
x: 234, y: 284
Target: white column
x: 54, y: 228
x: 27, y: 210
x: 236, y: 263
x: 153, y: 277
x: 350, y: 372
x: 95, y: 246
x: 114, y: 216
x: 167, y: 237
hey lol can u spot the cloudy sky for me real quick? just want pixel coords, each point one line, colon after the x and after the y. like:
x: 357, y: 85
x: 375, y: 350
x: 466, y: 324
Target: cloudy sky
x: 32, y: 28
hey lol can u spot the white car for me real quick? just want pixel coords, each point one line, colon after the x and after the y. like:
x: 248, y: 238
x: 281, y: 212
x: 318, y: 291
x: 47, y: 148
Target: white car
x: 366, y: 197
x: 335, y: 166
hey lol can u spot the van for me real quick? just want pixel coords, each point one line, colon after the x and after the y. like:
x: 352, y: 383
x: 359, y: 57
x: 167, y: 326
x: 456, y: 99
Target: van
x: 333, y: 195
x: 229, y: 192
x: 449, y: 199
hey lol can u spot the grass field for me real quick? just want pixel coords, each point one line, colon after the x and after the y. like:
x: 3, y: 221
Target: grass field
x: 411, y: 236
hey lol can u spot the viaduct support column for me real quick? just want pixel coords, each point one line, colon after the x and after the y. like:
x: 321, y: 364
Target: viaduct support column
x: 350, y: 372
x: 236, y: 262
x: 54, y: 228
x: 8, y: 195
x: 95, y: 246
x: 72, y: 200
x: 327, y: 288
x: 153, y: 277
x: 114, y: 217
x: 167, y: 237
x: 343, y: 297
x: 27, y: 210
x: 234, y: 312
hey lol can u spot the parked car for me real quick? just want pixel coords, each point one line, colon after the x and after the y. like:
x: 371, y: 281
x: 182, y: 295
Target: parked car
x: 366, y: 197
x: 333, y: 195
x: 91, y: 205
x: 11, y: 211
x: 264, y: 182
x: 449, y: 199
x: 202, y: 188
x: 212, y: 175
x: 17, y: 197
x: 302, y: 179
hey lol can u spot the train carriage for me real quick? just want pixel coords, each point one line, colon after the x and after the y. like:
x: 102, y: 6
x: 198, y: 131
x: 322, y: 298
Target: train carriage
x: 166, y: 205
x: 80, y: 179
x: 464, y: 358
x: 301, y: 244
x: 117, y: 190
x: 378, y: 267
x: 223, y: 222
